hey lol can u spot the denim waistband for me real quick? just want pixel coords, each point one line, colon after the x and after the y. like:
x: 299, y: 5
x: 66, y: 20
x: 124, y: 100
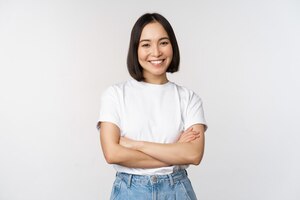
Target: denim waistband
x: 152, y: 179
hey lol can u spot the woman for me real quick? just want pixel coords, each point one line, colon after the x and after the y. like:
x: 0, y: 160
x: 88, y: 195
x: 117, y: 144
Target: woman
x: 150, y: 128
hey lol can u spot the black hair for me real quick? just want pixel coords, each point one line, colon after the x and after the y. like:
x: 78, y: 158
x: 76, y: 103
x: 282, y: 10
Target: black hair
x: 133, y: 65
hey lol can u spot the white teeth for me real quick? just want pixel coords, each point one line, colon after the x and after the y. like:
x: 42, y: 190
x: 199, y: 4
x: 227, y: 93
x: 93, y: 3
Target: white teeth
x: 156, y: 61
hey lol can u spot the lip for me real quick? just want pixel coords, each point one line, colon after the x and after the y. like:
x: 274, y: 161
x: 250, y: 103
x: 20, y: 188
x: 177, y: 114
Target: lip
x: 157, y: 62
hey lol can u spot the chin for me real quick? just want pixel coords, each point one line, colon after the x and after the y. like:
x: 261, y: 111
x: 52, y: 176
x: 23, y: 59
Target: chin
x: 159, y: 72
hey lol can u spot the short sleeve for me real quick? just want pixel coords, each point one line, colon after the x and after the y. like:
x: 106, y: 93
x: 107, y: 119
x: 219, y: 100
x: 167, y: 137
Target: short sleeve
x: 109, y: 107
x: 194, y: 111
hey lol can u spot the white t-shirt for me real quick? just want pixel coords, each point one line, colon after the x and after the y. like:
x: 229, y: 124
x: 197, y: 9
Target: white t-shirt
x: 151, y: 112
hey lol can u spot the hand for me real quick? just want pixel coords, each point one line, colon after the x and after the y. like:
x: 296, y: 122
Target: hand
x: 188, y: 136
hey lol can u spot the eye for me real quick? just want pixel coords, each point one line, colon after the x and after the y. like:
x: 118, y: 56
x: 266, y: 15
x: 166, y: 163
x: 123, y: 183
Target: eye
x: 145, y: 45
x: 164, y: 43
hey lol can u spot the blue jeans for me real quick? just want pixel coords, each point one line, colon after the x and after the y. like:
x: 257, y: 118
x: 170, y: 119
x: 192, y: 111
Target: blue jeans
x: 157, y: 187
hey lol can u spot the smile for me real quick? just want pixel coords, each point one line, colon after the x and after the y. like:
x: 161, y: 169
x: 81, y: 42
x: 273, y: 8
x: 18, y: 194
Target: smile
x: 156, y: 61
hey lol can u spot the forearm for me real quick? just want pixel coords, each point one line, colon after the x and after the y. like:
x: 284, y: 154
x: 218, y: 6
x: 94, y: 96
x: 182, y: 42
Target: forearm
x: 114, y: 153
x: 175, y: 154
x: 132, y: 158
x: 137, y: 154
x: 188, y: 149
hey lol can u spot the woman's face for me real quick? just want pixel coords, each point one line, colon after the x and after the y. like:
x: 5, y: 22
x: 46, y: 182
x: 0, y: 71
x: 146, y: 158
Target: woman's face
x: 155, y: 53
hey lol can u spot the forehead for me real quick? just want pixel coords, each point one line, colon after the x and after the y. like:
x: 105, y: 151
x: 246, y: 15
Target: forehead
x: 153, y: 31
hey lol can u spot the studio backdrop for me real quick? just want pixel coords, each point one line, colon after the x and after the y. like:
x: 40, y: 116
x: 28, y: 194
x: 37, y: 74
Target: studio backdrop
x: 57, y: 57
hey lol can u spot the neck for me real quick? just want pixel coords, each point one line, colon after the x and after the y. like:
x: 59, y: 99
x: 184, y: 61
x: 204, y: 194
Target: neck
x: 158, y: 81
x: 155, y: 79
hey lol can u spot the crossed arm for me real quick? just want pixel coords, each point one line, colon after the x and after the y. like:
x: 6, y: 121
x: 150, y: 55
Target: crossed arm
x: 188, y: 149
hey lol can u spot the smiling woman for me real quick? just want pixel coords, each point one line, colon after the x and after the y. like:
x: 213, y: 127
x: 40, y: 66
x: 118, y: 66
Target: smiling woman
x: 155, y: 53
x: 151, y: 129
x: 142, y: 26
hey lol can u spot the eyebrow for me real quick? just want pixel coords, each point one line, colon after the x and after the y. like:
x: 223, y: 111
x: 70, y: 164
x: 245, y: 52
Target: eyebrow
x: 147, y: 40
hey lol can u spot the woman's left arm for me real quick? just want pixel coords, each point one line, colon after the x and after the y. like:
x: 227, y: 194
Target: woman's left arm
x: 174, y: 153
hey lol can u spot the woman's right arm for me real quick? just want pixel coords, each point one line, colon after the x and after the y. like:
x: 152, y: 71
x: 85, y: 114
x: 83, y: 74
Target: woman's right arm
x: 114, y: 153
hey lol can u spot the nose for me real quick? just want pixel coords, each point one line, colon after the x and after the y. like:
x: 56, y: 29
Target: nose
x: 156, y: 51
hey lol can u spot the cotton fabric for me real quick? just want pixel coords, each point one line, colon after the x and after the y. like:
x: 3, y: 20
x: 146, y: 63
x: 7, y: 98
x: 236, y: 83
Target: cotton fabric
x: 151, y: 112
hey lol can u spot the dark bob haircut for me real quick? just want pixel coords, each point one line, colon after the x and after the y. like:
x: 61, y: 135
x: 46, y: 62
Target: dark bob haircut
x: 133, y: 65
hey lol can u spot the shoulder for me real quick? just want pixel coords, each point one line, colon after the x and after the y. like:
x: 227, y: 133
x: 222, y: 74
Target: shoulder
x: 117, y: 88
x: 187, y: 93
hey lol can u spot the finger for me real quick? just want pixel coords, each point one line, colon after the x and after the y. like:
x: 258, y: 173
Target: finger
x: 191, y: 133
x: 183, y: 138
x: 188, y: 130
x: 195, y: 132
x: 188, y: 133
x: 188, y: 137
x: 191, y: 138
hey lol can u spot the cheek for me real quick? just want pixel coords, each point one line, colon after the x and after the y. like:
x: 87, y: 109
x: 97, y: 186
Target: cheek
x: 170, y: 56
x: 141, y: 55
x: 169, y: 52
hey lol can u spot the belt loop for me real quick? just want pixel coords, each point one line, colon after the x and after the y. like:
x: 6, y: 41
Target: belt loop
x: 171, y: 179
x: 129, y: 181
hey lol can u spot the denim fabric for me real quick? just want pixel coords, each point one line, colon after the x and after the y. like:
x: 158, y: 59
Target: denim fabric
x: 157, y: 187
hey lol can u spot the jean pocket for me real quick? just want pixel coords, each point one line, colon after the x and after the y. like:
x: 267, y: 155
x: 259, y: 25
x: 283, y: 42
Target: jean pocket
x: 116, y: 188
x: 188, y: 189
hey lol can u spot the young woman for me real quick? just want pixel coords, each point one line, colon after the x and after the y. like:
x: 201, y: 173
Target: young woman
x: 151, y: 129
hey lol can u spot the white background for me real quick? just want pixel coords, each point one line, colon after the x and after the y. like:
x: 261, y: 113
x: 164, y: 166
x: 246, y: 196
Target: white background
x: 57, y: 57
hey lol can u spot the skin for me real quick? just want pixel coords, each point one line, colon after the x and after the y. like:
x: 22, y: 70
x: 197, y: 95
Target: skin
x: 186, y: 151
x: 155, y: 55
x: 119, y: 150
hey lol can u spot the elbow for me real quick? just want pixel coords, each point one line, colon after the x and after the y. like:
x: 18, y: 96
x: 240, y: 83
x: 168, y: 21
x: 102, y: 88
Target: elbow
x: 111, y: 157
x: 196, y: 159
x: 111, y: 153
x: 108, y: 158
